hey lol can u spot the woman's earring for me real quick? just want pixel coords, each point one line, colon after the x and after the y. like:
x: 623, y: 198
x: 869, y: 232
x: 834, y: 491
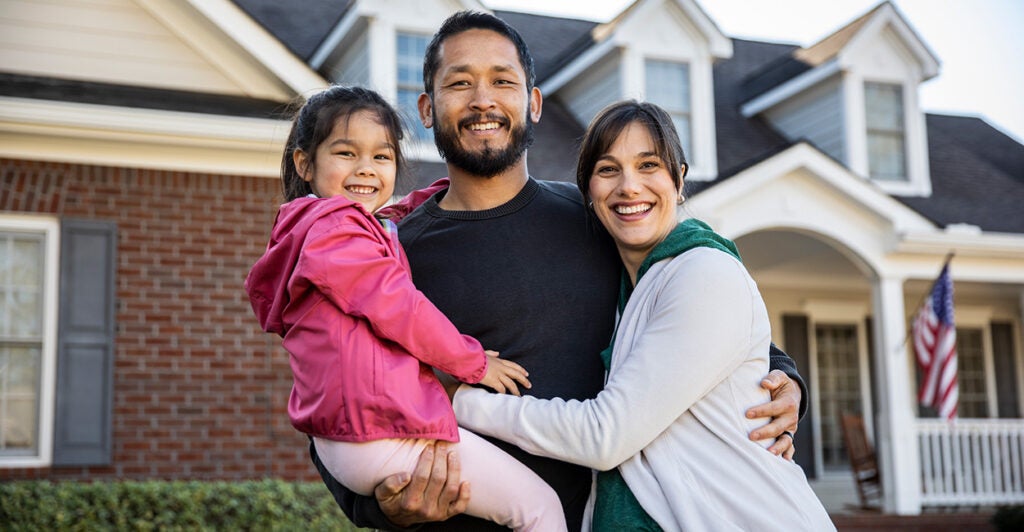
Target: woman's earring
x: 680, y: 200
x: 590, y: 205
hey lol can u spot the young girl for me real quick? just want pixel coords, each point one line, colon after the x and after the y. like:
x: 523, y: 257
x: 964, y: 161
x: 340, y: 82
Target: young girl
x: 335, y: 284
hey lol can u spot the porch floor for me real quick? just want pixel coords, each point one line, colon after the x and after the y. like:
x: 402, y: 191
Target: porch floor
x: 930, y: 521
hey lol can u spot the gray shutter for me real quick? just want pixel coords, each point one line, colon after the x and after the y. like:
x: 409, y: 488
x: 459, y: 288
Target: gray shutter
x: 1003, y: 356
x: 794, y: 330
x: 85, y: 344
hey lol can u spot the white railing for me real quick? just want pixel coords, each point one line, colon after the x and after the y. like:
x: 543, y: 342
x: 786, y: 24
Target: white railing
x: 971, y: 461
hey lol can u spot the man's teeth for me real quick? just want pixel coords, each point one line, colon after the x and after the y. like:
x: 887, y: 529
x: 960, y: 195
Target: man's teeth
x: 361, y: 190
x: 633, y: 209
x: 484, y: 126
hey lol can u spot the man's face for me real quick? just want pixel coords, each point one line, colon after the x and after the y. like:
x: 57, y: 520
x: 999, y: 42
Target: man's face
x: 481, y: 112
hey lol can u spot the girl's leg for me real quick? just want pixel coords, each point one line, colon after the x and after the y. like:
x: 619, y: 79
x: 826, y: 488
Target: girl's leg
x: 504, y: 490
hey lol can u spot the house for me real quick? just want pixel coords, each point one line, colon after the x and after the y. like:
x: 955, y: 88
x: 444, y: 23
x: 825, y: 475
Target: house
x: 139, y: 156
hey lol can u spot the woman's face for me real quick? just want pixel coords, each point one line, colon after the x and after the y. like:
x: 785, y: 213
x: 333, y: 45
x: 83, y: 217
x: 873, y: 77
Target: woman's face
x: 634, y: 195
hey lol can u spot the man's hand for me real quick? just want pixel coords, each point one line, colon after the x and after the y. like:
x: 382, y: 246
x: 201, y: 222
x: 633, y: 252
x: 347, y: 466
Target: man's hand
x: 433, y: 493
x: 784, y: 409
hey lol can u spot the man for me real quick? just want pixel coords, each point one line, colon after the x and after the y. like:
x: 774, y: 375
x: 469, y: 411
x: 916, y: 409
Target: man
x: 513, y: 262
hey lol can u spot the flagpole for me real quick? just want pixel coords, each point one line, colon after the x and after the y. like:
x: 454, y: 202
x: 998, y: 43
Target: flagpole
x: 910, y: 320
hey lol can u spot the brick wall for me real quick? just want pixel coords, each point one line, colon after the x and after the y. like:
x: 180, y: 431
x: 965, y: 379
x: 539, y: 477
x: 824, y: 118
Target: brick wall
x: 199, y: 390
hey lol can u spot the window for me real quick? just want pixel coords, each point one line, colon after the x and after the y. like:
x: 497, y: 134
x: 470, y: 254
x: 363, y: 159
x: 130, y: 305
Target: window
x: 970, y: 352
x: 409, y: 54
x: 668, y: 85
x: 887, y: 160
x: 839, y: 382
x: 27, y: 328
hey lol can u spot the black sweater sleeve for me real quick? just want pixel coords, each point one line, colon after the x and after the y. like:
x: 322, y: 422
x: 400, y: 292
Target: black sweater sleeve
x: 778, y: 359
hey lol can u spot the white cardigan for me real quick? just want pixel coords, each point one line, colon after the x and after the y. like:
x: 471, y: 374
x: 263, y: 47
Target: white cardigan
x: 689, y: 355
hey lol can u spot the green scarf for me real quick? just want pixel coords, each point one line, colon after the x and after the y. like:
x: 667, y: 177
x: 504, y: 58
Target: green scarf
x: 616, y: 507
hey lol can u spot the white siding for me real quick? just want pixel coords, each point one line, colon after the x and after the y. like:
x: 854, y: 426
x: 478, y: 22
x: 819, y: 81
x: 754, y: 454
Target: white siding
x: 113, y: 41
x: 594, y: 90
x: 815, y: 115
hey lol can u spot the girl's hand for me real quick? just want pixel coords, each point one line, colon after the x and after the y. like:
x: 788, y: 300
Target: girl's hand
x: 503, y: 375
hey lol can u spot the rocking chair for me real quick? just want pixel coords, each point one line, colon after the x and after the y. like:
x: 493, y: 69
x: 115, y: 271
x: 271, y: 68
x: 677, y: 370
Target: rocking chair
x: 863, y: 462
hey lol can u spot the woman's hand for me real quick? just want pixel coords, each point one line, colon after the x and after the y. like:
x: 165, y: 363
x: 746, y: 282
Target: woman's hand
x: 784, y: 409
x: 503, y: 375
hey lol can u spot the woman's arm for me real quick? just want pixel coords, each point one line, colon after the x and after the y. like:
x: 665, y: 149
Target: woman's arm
x: 698, y: 333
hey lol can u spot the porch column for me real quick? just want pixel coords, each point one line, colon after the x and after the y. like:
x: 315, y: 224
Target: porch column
x: 896, y: 445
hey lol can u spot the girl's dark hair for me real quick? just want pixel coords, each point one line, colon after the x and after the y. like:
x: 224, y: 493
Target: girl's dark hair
x: 314, y: 122
x: 612, y: 121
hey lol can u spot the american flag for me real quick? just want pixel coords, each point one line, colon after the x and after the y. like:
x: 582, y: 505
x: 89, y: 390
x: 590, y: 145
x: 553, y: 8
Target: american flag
x: 934, y: 336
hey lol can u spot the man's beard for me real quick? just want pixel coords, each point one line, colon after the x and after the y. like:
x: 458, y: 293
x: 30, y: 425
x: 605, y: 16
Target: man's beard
x: 490, y: 162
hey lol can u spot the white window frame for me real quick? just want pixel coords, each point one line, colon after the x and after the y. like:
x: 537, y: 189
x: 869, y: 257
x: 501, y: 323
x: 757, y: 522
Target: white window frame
x: 842, y: 313
x: 675, y: 113
x: 50, y: 229
x: 978, y: 318
x: 902, y: 131
x: 416, y: 148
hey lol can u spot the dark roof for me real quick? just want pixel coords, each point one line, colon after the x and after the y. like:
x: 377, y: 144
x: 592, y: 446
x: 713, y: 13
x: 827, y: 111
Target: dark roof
x: 553, y: 41
x: 742, y: 141
x: 977, y: 176
x: 300, y: 26
x: 67, y: 90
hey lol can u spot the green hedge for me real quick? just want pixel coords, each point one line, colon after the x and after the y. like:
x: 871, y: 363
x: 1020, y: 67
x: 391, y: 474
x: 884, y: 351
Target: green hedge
x: 158, y: 505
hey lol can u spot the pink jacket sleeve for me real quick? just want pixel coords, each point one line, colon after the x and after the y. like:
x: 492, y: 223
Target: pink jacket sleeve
x: 349, y: 263
x: 409, y: 203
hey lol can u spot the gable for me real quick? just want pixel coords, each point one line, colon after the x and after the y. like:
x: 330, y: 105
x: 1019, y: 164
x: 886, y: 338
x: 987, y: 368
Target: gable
x: 883, y: 56
x: 802, y: 188
x: 144, y: 43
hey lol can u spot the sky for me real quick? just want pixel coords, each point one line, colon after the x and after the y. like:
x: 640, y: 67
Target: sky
x: 979, y: 43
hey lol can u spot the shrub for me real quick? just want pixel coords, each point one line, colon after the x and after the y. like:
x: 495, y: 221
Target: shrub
x: 1009, y: 518
x: 158, y: 505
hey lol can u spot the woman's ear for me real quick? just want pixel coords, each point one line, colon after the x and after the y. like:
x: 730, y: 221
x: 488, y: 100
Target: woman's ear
x: 301, y: 161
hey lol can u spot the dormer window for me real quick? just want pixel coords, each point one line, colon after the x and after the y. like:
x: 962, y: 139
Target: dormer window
x: 667, y: 84
x: 887, y: 152
x: 410, y: 50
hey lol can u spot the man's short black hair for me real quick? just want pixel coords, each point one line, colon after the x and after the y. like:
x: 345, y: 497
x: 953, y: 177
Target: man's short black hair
x: 473, y: 20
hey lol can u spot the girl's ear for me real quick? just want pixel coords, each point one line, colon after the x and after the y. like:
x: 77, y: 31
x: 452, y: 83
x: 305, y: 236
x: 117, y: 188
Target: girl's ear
x: 301, y: 161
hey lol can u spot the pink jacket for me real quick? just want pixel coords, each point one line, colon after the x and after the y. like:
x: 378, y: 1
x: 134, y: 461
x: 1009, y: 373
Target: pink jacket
x: 337, y: 287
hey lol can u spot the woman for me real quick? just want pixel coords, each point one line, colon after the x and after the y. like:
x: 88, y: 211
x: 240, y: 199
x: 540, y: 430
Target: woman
x: 668, y: 430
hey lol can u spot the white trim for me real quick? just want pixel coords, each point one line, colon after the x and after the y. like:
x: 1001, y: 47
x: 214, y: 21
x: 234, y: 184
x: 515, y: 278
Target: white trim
x: 121, y: 136
x: 790, y: 88
x: 577, y: 66
x: 964, y: 243
x: 50, y: 228
x: 265, y: 48
x: 333, y: 39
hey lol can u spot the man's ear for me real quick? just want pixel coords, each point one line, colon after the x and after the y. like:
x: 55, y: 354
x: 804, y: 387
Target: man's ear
x: 426, y: 108
x: 536, y: 100
x: 301, y: 161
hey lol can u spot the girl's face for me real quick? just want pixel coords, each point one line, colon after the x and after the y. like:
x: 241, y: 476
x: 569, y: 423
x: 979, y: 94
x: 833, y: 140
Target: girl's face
x: 634, y: 195
x: 357, y: 161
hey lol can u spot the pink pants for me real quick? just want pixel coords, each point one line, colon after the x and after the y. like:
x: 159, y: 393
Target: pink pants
x: 504, y: 490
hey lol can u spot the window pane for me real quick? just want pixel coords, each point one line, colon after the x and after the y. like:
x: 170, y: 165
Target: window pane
x: 409, y: 56
x: 19, y: 386
x: 668, y: 85
x: 886, y: 157
x: 839, y: 380
x: 21, y: 319
x: 971, y: 373
x: 886, y: 145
